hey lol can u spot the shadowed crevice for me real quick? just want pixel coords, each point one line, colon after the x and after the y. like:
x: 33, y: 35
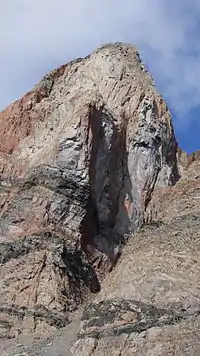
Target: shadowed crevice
x: 107, y: 172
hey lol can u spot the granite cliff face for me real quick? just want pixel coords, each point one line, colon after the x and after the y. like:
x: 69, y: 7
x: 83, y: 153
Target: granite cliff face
x: 86, y: 158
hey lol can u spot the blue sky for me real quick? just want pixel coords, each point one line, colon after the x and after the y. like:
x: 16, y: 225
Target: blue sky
x: 37, y: 36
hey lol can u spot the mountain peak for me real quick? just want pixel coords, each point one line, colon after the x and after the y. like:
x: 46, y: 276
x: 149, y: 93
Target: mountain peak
x: 85, y: 157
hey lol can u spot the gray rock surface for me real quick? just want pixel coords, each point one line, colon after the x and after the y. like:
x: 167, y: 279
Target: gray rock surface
x: 81, y: 157
x: 89, y: 160
x: 150, y: 303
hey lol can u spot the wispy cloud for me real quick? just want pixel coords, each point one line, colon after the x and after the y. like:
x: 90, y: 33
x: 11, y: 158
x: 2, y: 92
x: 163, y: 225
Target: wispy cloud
x: 36, y: 36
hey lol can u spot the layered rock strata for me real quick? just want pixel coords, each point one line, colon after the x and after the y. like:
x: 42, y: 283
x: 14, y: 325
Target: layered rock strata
x: 83, y: 157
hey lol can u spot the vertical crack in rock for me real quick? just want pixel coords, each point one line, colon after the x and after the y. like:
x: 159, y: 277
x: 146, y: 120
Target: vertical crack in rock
x: 126, y: 167
x: 106, y: 177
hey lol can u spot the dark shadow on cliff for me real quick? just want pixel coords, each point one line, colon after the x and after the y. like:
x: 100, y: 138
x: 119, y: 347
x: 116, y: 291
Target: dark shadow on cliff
x: 109, y: 184
x: 79, y: 272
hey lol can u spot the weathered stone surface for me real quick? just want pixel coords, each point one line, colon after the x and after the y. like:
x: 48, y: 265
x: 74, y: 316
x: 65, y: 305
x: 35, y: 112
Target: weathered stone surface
x: 54, y: 282
x: 149, y: 304
x: 178, y: 339
x: 87, y: 159
x: 81, y: 157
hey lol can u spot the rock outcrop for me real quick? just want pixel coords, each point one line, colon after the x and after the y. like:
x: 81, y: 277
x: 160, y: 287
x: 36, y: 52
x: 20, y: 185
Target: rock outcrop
x: 81, y: 156
x: 87, y: 158
x: 150, y: 303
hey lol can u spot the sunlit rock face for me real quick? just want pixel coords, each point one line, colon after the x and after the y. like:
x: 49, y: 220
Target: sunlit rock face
x: 83, y: 158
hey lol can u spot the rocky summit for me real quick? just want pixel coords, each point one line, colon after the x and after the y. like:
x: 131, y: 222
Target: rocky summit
x: 99, y: 218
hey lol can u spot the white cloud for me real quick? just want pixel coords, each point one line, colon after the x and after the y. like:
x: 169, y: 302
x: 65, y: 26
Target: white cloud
x: 36, y: 36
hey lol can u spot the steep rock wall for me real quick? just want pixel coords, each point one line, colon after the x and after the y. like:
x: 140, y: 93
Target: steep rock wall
x: 82, y: 156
